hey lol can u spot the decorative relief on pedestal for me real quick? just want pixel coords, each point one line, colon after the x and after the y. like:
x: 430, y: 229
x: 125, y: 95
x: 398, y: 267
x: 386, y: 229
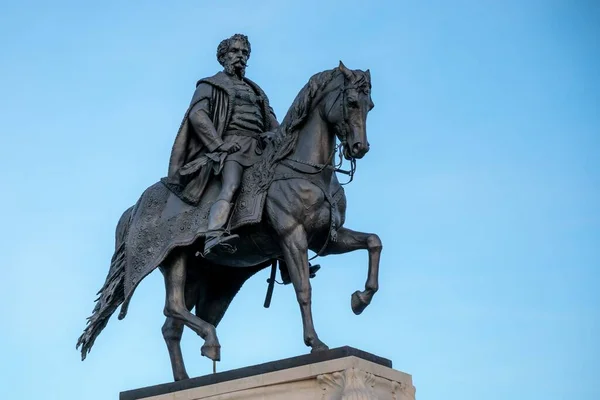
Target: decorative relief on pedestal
x: 350, y: 384
x: 402, y: 391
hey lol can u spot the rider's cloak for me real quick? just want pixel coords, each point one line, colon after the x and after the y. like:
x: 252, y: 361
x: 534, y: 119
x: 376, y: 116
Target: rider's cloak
x: 215, y: 96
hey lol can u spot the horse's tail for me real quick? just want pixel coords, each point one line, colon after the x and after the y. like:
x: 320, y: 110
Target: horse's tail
x: 112, y: 293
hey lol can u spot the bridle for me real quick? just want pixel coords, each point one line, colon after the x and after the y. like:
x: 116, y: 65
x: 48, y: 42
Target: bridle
x: 339, y: 148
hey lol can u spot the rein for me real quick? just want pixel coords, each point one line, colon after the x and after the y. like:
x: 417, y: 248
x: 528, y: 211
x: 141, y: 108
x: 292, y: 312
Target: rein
x: 321, y: 167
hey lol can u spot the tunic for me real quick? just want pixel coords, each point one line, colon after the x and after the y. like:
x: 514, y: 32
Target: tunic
x: 245, y: 125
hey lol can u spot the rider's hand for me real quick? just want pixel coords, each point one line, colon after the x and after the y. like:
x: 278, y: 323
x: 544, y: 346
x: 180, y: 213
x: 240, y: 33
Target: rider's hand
x: 266, y: 138
x: 230, y: 147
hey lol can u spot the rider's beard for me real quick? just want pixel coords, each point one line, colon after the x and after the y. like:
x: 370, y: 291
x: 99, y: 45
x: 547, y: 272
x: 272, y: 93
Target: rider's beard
x: 231, y: 69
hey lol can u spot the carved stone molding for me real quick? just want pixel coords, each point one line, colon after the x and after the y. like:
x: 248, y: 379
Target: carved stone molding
x: 350, y: 384
x: 402, y: 391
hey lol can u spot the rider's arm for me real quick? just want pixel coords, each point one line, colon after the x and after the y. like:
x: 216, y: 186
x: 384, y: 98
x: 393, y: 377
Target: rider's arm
x: 200, y: 120
x: 204, y: 128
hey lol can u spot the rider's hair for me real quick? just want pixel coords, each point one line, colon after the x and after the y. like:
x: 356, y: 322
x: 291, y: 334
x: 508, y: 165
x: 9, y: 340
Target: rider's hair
x: 224, y: 46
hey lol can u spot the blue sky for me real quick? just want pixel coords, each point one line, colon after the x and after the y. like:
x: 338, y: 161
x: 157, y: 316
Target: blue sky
x: 483, y: 181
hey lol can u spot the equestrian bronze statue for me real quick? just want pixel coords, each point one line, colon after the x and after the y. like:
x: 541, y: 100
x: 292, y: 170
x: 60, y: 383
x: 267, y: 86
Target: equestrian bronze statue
x: 244, y: 193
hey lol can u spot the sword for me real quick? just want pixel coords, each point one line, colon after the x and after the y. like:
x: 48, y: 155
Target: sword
x: 271, y: 286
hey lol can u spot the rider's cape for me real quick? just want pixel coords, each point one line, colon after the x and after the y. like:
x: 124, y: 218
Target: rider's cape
x: 215, y: 95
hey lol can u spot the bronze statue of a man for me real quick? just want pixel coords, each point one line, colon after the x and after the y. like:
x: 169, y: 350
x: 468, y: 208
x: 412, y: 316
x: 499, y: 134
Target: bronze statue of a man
x: 222, y: 127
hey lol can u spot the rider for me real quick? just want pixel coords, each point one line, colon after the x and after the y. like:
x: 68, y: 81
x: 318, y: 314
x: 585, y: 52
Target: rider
x: 226, y: 118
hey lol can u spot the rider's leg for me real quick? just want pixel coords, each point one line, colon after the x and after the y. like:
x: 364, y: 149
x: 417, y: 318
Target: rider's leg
x: 219, y: 212
x: 232, y: 177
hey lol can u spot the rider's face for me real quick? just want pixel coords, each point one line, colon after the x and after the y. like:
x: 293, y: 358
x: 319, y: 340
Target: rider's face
x: 237, y: 56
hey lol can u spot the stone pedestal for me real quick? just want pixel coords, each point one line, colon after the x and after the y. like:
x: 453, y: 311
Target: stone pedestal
x: 343, y: 373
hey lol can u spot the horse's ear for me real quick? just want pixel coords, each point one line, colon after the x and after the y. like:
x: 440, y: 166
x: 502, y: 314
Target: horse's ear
x: 368, y: 73
x: 347, y: 73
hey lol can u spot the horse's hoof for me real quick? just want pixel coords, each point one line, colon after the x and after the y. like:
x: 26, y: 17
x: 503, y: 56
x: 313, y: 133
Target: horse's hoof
x: 317, y: 346
x: 317, y: 349
x: 359, y: 302
x: 211, y: 351
x: 181, y: 377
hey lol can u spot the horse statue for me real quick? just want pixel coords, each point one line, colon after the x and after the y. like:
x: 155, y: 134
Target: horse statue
x: 294, y: 185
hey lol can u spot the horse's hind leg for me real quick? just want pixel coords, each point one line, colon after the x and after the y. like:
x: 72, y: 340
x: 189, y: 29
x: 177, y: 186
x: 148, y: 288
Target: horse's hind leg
x: 349, y: 240
x: 172, y: 331
x: 174, y: 272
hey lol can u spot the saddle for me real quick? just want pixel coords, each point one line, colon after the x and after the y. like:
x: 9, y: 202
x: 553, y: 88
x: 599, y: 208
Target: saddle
x: 248, y: 204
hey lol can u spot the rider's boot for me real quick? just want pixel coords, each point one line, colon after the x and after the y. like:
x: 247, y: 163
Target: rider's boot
x: 217, y: 238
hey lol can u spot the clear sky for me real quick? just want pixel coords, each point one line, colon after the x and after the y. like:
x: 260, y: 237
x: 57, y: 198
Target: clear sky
x: 483, y: 181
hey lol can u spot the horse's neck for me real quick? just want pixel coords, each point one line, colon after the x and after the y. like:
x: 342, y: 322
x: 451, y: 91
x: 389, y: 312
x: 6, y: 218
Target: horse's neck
x: 315, y: 143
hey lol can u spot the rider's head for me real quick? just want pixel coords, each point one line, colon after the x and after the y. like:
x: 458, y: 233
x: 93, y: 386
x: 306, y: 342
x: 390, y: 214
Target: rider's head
x: 233, y: 54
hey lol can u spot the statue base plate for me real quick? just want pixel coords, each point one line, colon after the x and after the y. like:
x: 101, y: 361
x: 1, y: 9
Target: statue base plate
x: 339, y: 373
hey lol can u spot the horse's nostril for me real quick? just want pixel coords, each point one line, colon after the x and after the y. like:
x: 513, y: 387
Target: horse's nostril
x: 357, y: 147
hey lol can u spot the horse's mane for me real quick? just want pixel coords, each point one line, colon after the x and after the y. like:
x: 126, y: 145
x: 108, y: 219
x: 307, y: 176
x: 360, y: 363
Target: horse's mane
x: 286, y: 135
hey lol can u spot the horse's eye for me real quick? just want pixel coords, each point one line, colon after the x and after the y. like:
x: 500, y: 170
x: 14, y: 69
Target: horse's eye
x: 352, y: 102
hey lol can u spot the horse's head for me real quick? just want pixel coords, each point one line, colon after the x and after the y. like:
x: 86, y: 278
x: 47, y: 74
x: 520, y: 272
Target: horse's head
x: 347, y: 108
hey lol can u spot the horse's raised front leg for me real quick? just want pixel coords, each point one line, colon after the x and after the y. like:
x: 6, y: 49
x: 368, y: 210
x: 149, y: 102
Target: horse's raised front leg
x: 349, y: 240
x: 295, y: 252
x: 174, y: 272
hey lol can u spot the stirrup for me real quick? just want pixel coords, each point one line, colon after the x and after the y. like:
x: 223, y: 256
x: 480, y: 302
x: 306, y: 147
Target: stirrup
x: 221, y: 244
